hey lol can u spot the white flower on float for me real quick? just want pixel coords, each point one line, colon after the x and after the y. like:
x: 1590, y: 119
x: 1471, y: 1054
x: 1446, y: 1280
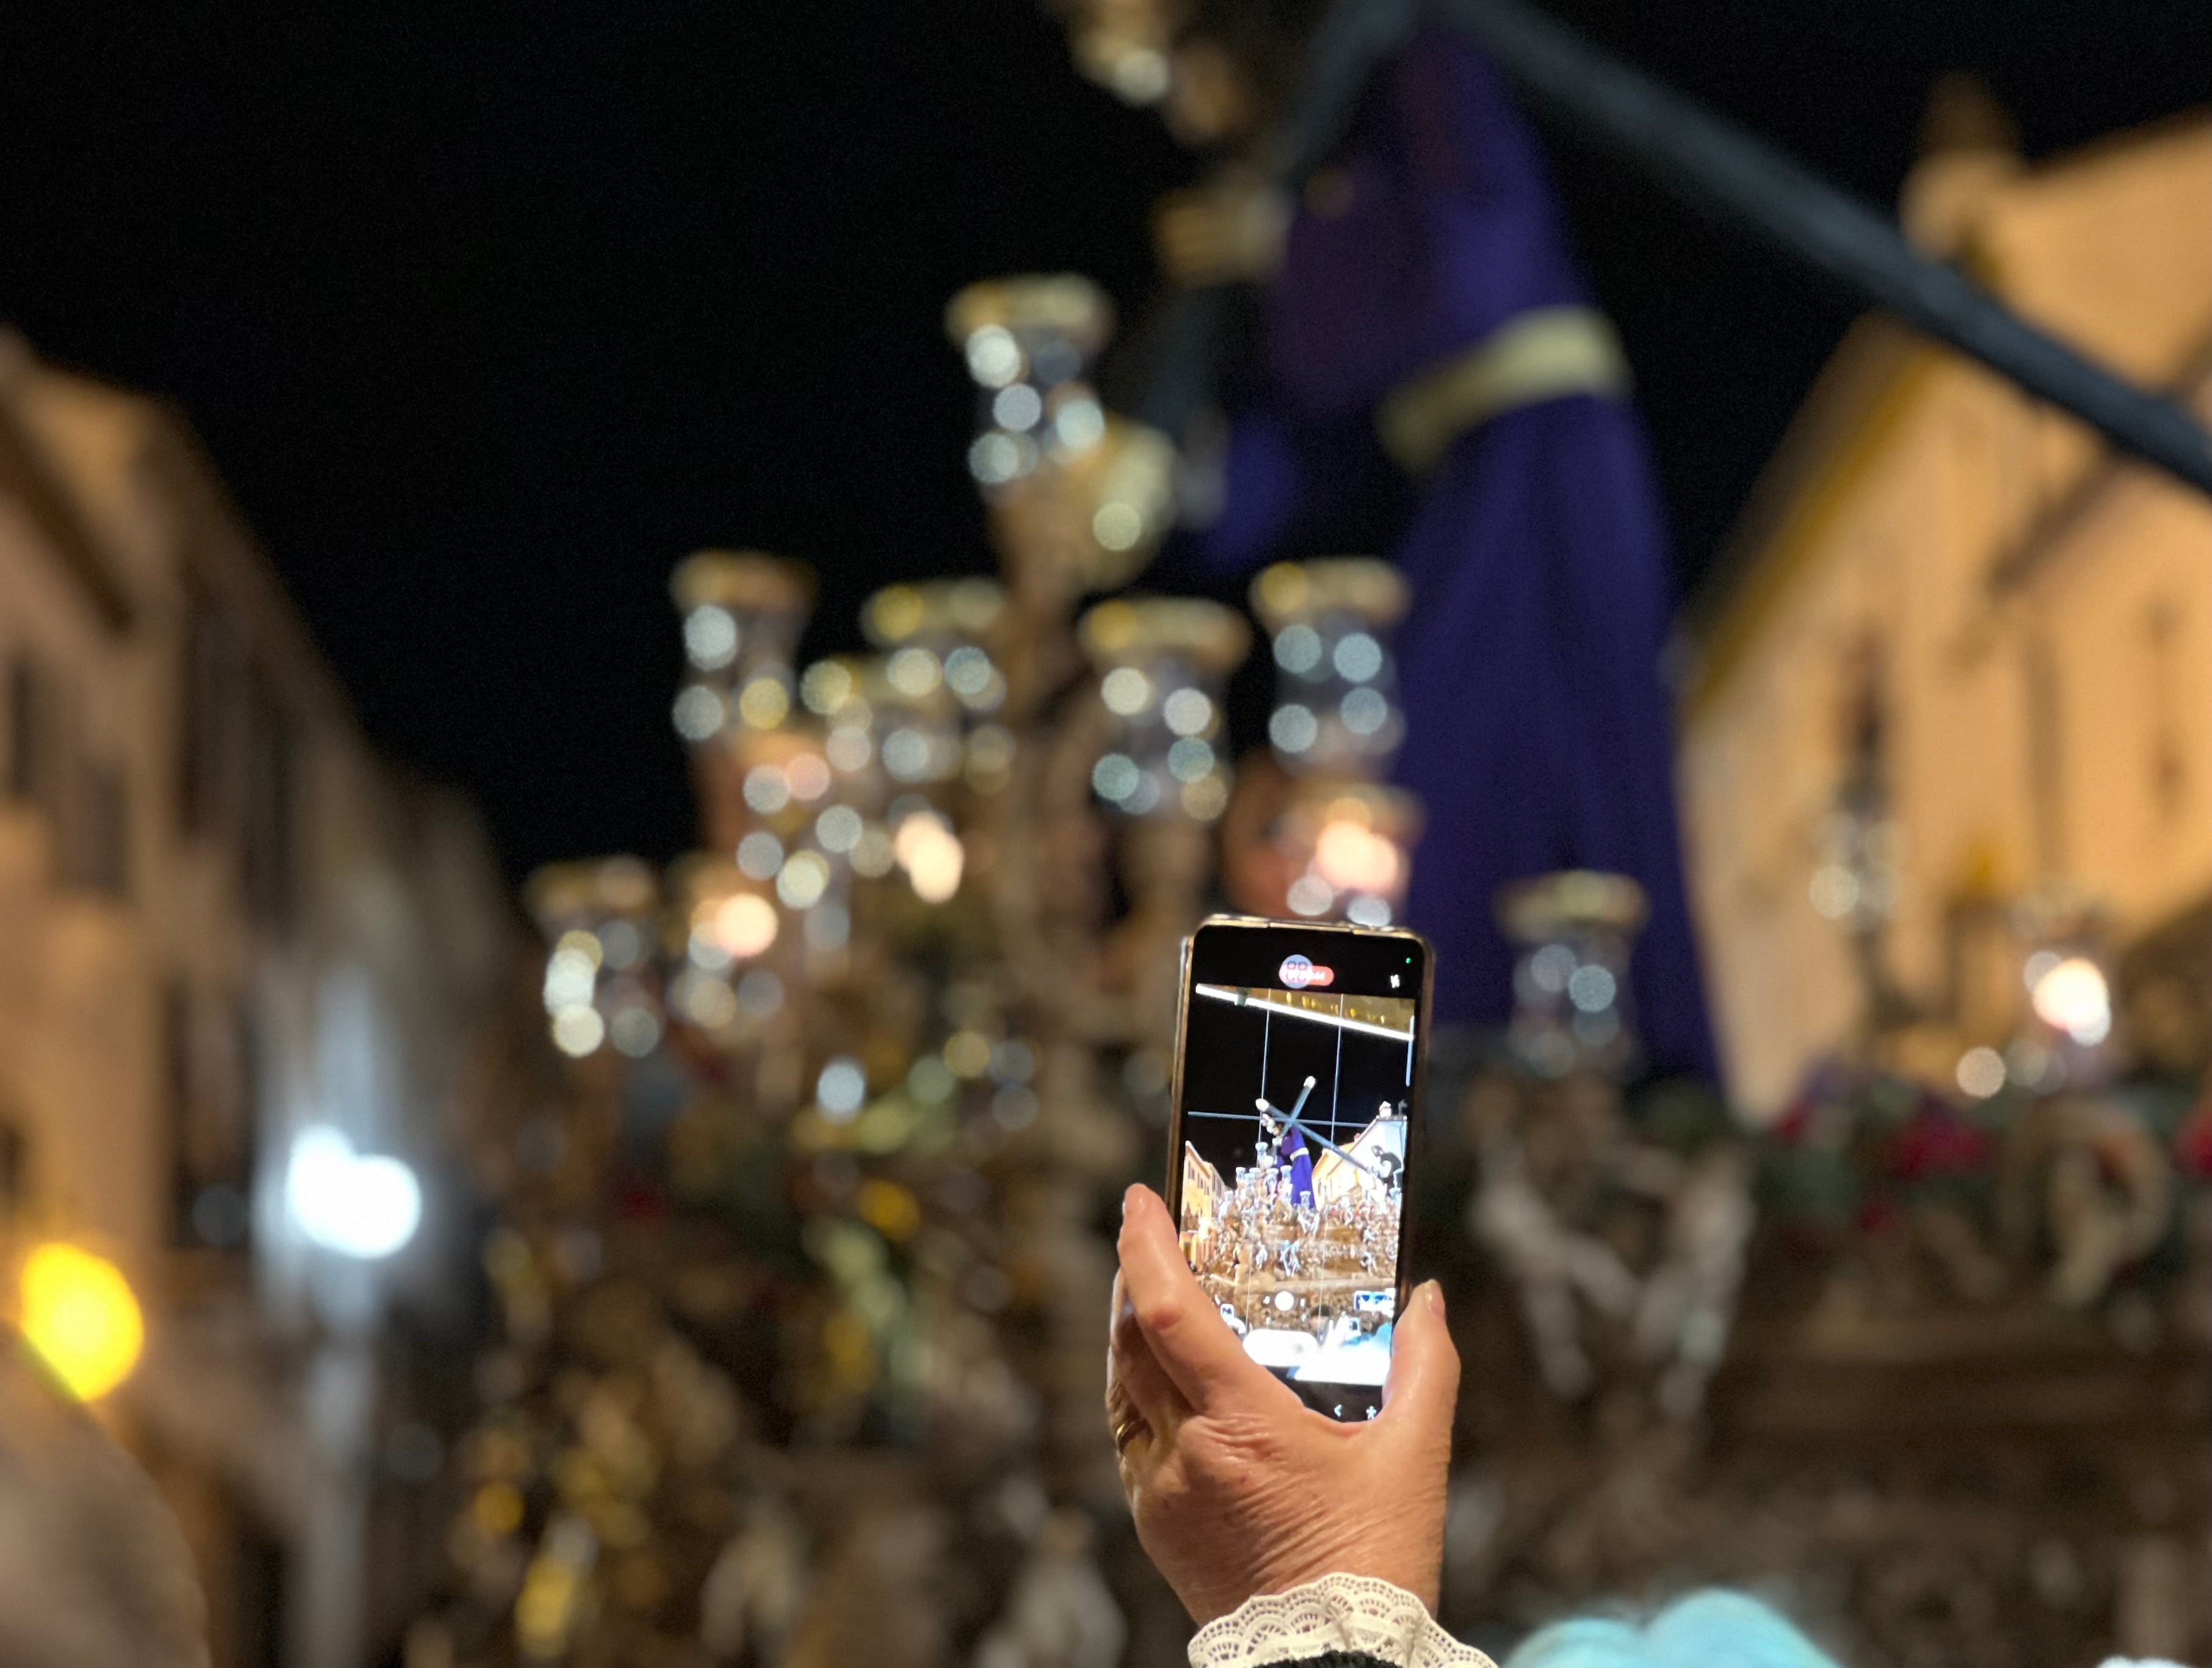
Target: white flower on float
x: 760, y: 855
x: 710, y: 637
x: 995, y: 358
x: 706, y: 949
x: 841, y: 1088
x: 1189, y: 759
x: 2072, y: 996
x: 1126, y: 690
x: 993, y: 459
x: 1189, y: 712
x: 1551, y: 967
x: 1115, y: 777
x: 1297, y: 649
x: 1981, y: 1072
x: 838, y: 829
x: 634, y: 1030
x: 698, y: 712
x: 1117, y: 525
x: 1079, y: 425
x: 1358, y: 657
x: 1592, y: 988
x: 765, y: 790
x: 746, y: 924
x: 578, y: 1030
x: 805, y: 877
x: 913, y: 672
x: 1017, y: 407
x: 1363, y: 710
x: 932, y: 855
x: 1294, y: 727
x: 706, y: 1001
x: 872, y: 854
x: 906, y: 755
x: 1204, y: 799
x: 825, y: 687
x: 760, y: 993
x: 570, y: 979
x: 968, y: 669
x: 807, y: 776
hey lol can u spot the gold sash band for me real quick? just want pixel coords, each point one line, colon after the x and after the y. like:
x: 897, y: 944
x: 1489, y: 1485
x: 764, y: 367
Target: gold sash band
x: 1542, y: 354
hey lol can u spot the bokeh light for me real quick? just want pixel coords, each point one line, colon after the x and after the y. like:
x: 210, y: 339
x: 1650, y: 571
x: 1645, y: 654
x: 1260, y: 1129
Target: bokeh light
x: 80, y: 1315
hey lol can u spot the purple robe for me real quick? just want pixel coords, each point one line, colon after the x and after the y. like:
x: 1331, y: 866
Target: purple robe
x: 1290, y: 1154
x: 1537, y: 726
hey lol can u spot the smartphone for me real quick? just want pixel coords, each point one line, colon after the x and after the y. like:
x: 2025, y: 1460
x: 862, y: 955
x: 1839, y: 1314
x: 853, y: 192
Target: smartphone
x: 1296, y: 1139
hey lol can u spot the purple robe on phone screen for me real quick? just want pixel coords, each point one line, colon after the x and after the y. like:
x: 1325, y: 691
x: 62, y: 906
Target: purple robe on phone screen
x: 1290, y: 1154
x: 1537, y: 726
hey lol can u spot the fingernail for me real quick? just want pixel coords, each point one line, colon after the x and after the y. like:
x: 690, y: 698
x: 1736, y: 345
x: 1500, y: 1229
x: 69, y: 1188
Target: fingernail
x: 1129, y: 1199
x: 1436, y: 1298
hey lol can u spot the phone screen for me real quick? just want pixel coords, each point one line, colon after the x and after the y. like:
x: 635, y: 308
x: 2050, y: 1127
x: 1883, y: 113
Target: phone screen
x: 1297, y: 1118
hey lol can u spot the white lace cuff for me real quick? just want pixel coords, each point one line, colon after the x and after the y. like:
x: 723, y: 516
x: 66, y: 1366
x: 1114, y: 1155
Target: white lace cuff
x: 1336, y: 1613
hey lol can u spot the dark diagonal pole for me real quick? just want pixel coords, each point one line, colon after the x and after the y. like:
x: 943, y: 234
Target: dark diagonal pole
x: 1718, y: 169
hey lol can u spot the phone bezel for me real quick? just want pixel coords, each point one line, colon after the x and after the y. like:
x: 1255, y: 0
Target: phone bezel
x: 1417, y: 1111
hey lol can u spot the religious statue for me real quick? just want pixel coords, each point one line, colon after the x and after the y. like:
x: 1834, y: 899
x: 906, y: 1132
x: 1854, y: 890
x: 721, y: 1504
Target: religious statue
x: 1431, y: 356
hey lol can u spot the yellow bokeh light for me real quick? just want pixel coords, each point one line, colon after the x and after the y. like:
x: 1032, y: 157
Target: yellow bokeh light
x: 889, y: 1208
x: 968, y: 1054
x: 895, y: 612
x: 1283, y: 588
x: 80, y: 1315
x: 764, y: 704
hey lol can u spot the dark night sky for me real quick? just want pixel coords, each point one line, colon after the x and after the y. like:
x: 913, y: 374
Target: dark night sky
x: 488, y: 311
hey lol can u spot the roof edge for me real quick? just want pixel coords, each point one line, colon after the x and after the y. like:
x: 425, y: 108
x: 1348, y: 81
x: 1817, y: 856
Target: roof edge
x: 1837, y: 432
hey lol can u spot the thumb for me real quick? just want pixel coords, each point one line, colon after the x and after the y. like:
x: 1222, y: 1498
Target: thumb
x: 1423, y: 1388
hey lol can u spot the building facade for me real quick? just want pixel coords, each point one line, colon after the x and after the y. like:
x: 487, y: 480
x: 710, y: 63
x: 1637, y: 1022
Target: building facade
x: 223, y: 921
x: 1957, y: 668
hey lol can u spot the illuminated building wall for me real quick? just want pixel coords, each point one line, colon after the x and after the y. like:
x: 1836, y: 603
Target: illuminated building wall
x: 1963, y: 595
x: 223, y: 920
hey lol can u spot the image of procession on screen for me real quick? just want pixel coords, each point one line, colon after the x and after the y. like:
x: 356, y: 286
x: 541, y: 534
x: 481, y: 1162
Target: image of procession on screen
x: 1295, y: 1107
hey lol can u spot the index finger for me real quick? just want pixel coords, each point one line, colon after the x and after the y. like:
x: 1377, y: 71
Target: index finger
x: 1192, y: 1346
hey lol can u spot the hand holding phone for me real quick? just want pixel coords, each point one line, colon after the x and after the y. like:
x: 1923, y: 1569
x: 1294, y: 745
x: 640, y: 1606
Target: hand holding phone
x: 1236, y: 1486
x: 1296, y: 1134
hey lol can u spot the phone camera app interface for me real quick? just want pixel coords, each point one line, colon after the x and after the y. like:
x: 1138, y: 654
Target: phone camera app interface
x: 1295, y: 1099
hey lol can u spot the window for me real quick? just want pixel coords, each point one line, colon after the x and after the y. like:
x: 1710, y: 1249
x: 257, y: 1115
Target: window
x: 180, y: 1097
x: 271, y: 809
x: 103, y: 845
x: 15, y: 1169
x: 26, y: 722
x: 210, y: 672
x: 43, y: 769
x: 210, y: 1135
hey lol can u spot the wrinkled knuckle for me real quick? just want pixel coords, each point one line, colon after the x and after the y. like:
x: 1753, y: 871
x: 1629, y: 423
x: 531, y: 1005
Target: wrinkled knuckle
x: 1230, y: 1460
x: 1159, y: 1318
x: 1212, y: 1471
